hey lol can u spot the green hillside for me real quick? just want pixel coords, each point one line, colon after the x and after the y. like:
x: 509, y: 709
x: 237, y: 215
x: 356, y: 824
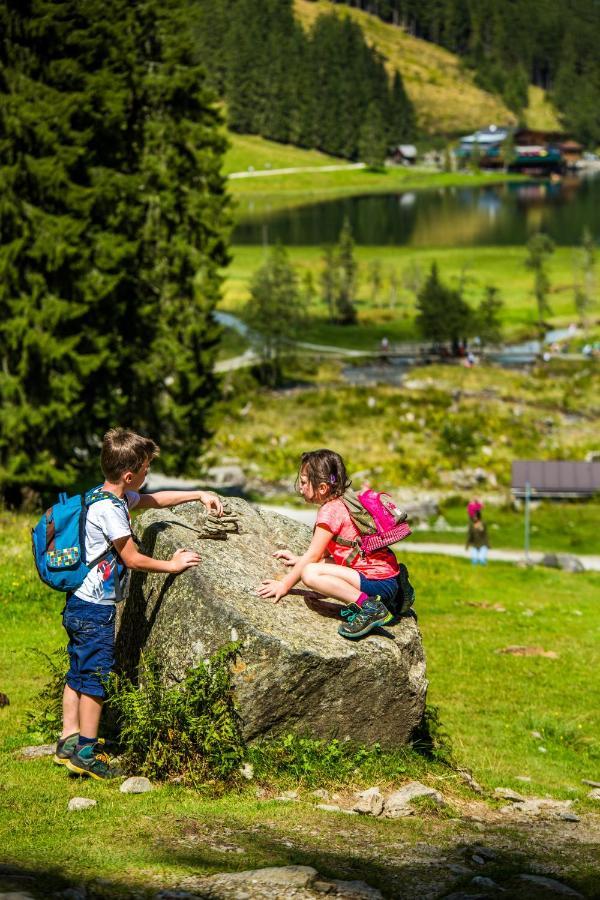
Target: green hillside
x: 443, y: 91
x: 251, y: 150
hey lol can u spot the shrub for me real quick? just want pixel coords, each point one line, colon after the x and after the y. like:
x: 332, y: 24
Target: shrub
x: 190, y: 730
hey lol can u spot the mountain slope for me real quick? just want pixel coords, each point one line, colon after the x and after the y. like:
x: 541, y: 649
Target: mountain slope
x: 443, y: 91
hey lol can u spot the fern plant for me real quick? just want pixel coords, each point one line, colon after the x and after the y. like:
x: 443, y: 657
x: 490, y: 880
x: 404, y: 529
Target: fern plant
x: 190, y: 730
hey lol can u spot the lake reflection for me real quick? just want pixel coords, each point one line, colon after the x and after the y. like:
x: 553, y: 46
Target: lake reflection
x: 443, y: 217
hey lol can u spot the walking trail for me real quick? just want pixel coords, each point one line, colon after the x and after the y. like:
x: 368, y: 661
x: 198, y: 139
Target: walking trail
x: 262, y: 173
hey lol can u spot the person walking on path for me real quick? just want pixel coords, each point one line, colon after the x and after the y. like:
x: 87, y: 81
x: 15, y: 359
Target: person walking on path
x: 477, y: 539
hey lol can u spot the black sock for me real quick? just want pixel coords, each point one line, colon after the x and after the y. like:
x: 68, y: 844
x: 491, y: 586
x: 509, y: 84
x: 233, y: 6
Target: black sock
x: 85, y: 740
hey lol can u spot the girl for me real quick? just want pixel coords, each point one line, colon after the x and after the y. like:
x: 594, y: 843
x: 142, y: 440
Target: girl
x: 477, y: 539
x: 366, y: 583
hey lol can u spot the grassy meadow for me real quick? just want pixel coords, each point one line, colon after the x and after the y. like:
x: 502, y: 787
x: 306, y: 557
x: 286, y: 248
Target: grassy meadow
x: 259, y: 196
x: 247, y: 150
x: 443, y: 419
x: 477, y: 267
x: 466, y: 616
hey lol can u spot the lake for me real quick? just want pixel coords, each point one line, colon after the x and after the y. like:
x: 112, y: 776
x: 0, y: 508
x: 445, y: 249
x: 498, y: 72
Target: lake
x: 505, y: 214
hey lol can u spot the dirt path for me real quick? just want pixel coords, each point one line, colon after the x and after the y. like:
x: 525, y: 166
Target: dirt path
x: 293, y: 170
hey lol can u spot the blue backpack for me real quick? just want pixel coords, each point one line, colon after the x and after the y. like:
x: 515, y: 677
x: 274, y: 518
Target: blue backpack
x: 58, y: 542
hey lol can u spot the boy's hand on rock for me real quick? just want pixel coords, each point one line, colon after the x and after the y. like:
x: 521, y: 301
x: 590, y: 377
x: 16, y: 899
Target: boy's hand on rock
x: 273, y: 589
x: 287, y: 557
x: 184, y: 559
x: 211, y: 502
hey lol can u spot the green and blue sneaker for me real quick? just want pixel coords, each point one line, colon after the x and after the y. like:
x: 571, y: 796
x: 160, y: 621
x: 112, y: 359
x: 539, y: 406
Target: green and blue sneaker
x: 91, y: 760
x: 65, y: 749
x: 360, y: 620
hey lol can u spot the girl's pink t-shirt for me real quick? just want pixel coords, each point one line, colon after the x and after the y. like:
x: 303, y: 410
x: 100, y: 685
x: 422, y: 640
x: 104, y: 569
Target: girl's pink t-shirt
x: 334, y: 516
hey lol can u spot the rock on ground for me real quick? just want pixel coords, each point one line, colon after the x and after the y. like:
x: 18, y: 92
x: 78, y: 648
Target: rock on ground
x: 551, y: 885
x: 398, y: 803
x: 369, y: 802
x: 294, y: 671
x: 137, y: 784
x: 37, y: 751
x: 277, y: 883
x: 76, y: 804
x: 564, y: 561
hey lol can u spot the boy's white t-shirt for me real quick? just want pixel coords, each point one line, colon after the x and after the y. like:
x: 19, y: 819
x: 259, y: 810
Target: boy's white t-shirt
x: 106, y: 522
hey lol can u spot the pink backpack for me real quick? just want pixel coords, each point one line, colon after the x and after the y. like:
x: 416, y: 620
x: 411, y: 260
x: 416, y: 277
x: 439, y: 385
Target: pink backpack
x: 378, y: 520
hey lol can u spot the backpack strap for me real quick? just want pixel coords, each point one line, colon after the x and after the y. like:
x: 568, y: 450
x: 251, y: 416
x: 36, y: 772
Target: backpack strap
x: 355, y: 545
x: 94, y: 496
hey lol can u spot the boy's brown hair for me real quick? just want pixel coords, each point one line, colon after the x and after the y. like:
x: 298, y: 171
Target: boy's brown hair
x: 324, y: 466
x: 125, y: 451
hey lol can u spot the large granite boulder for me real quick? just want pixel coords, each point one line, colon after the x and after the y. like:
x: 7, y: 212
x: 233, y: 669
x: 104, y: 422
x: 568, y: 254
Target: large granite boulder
x: 294, y: 673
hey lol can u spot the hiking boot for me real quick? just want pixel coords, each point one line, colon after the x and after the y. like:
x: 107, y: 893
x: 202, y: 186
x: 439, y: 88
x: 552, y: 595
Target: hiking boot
x: 360, y: 620
x: 91, y: 760
x: 408, y: 592
x: 65, y: 749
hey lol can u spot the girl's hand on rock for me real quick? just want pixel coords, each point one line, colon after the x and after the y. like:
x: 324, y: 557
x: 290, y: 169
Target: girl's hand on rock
x: 272, y: 589
x: 287, y: 557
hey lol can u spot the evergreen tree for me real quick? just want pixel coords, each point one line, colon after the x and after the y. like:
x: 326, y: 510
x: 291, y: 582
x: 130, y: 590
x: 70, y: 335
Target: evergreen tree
x: 585, y: 289
x: 431, y: 308
x: 182, y: 247
x: 101, y: 243
x: 442, y: 314
x: 372, y: 146
x: 347, y: 279
x: 329, y: 280
x: 394, y: 288
x: 402, y: 125
x: 487, y: 317
x: 376, y: 279
x: 540, y: 247
x: 276, y: 311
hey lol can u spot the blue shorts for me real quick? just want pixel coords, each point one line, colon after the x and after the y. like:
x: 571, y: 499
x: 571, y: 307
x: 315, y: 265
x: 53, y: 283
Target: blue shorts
x: 387, y: 588
x: 91, y: 647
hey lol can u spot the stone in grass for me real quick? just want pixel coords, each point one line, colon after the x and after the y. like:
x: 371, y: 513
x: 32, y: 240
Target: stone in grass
x: 594, y: 784
x: 397, y: 804
x: 468, y: 779
x: 508, y: 794
x: 369, y: 802
x: 331, y: 807
x: 38, y: 751
x: 136, y: 785
x: 550, y: 884
x: 594, y: 795
x: 77, y: 803
x: 565, y: 561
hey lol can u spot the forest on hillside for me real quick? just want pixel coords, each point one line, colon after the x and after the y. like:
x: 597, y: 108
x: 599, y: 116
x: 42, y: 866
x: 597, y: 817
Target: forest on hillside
x: 550, y: 43
x: 325, y: 88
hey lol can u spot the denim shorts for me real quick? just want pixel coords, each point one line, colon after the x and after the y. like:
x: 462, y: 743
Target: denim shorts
x: 91, y: 647
x: 387, y: 588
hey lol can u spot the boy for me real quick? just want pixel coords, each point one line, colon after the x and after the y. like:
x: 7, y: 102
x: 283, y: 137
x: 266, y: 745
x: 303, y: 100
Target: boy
x: 89, y: 613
